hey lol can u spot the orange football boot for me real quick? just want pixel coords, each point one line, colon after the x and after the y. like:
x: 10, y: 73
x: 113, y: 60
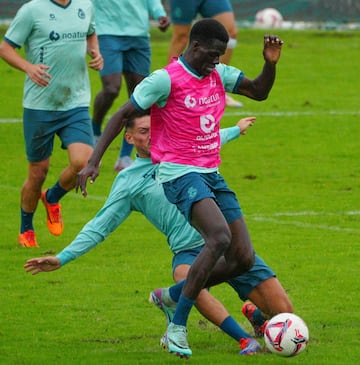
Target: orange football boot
x: 28, y: 239
x: 54, y: 219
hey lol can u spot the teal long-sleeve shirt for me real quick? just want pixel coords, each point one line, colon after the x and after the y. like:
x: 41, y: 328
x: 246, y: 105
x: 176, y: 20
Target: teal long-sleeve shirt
x: 136, y: 189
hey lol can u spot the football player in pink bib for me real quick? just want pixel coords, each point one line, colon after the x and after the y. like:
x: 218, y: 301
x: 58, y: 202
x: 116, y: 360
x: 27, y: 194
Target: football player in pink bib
x: 186, y: 100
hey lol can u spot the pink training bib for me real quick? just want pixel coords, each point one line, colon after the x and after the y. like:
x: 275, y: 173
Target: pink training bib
x: 187, y: 129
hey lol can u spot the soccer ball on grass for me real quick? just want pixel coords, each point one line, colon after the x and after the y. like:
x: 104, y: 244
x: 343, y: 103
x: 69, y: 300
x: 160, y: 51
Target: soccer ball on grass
x: 268, y: 18
x: 286, y: 334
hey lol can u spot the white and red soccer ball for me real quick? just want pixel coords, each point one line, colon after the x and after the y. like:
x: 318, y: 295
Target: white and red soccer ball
x: 268, y: 18
x: 286, y: 334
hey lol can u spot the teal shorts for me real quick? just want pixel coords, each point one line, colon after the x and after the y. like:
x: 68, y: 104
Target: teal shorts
x: 184, y: 12
x: 41, y: 126
x: 193, y: 187
x: 125, y: 54
x: 242, y: 284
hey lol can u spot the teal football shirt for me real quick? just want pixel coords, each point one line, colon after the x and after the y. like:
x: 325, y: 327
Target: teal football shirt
x: 126, y: 17
x: 55, y: 35
x: 136, y: 189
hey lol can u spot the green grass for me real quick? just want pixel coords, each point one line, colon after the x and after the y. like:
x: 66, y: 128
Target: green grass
x: 297, y: 176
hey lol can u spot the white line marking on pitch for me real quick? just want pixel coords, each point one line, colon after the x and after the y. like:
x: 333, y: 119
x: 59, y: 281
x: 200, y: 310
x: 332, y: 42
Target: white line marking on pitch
x: 304, y: 225
x: 308, y: 213
x: 248, y: 112
x: 294, y: 113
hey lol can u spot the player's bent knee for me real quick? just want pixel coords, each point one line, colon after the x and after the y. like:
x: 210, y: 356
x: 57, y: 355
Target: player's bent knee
x: 111, y: 91
x: 219, y: 243
x: 37, y: 180
x: 76, y: 165
x: 247, y: 261
x: 38, y: 172
x: 242, y: 263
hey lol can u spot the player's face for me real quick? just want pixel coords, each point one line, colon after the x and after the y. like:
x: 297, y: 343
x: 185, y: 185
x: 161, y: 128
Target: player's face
x: 207, y: 57
x: 139, y: 136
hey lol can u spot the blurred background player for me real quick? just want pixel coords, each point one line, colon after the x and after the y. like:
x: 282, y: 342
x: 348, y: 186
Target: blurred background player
x: 56, y: 98
x: 123, y: 30
x: 184, y: 12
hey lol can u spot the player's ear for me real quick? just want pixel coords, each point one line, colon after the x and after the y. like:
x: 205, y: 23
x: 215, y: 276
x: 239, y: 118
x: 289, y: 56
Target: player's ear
x: 128, y: 137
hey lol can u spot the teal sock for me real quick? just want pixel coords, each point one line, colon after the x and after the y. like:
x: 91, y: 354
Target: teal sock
x: 175, y: 291
x: 54, y: 194
x: 183, y: 309
x: 126, y: 149
x: 258, y: 318
x: 26, y: 221
x: 233, y: 329
x: 96, y: 128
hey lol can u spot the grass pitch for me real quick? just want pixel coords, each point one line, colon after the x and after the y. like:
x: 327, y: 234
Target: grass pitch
x: 297, y: 176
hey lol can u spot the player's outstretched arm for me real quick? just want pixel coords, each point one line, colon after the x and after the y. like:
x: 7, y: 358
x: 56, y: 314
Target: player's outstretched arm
x: 230, y: 134
x: 260, y: 87
x: 245, y: 123
x: 115, y: 125
x: 36, y: 265
x: 272, y: 48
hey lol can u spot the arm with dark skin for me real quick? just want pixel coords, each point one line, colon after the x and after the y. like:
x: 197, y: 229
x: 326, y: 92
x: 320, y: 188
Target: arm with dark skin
x: 113, y: 128
x: 259, y: 88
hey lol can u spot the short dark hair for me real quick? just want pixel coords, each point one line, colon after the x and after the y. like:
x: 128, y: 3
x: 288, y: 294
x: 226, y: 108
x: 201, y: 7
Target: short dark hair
x: 207, y: 30
x: 130, y: 123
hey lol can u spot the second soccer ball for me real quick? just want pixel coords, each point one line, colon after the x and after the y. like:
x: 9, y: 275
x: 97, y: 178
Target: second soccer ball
x: 268, y: 18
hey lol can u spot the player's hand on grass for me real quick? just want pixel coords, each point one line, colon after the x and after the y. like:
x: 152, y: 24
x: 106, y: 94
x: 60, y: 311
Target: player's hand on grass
x: 245, y: 123
x: 89, y: 170
x: 36, y: 265
x: 272, y: 48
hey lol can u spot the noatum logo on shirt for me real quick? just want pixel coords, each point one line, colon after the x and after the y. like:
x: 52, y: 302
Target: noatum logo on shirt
x: 54, y: 36
x: 191, y: 102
